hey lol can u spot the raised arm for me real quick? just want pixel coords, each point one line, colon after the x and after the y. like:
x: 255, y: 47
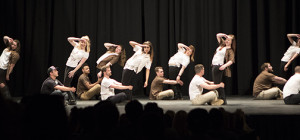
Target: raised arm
x: 181, y: 45
x: 107, y: 45
x: 220, y: 35
x: 7, y: 39
x: 289, y: 36
x: 133, y: 43
x: 71, y: 73
x: 72, y: 41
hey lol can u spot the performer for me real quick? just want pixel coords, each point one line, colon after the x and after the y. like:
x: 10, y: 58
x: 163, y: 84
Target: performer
x: 109, y: 85
x: 222, y: 60
x: 156, y: 92
x: 115, y: 53
x: 196, y: 88
x: 53, y: 86
x: 79, y: 53
x: 142, y: 57
x: 85, y: 89
x: 177, y: 65
x: 262, y: 87
x: 291, y: 90
x: 8, y: 60
x: 291, y: 53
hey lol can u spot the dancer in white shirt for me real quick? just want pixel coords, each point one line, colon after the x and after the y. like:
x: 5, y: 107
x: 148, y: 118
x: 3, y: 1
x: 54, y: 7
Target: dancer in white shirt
x: 177, y: 64
x: 142, y: 57
x: 222, y: 60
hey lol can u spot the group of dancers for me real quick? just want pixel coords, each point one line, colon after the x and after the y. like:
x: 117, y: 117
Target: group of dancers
x: 223, y: 58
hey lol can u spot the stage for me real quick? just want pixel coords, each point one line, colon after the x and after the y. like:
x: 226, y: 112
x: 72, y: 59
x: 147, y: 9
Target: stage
x: 246, y: 103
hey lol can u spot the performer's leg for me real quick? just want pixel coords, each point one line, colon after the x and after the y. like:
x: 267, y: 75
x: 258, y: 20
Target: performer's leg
x: 67, y: 80
x: 292, y: 99
x: 269, y: 94
x: 4, y: 90
x: 217, y: 76
x: 91, y: 92
x: 120, y: 97
x: 173, y: 73
x: 127, y: 77
x: 167, y: 94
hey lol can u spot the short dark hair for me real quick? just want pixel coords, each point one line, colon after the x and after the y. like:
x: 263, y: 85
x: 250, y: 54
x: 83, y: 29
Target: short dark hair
x: 157, y: 68
x: 198, y: 68
x: 264, y: 65
x: 297, y: 69
x: 103, y: 69
x: 83, y: 65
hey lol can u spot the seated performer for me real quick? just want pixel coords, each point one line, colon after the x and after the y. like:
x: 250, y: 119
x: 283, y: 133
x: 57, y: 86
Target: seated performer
x: 109, y: 85
x: 53, y: 86
x: 86, y: 90
x: 291, y: 90
x: 156, y: 92
x: 262, y: 87
x: 196, y: 88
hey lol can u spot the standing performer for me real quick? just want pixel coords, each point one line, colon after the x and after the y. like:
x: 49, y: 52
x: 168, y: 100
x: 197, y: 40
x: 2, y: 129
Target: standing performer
x: 291, y: 53
x: 222, y: 59
x: 115, y: 53
x: 8, y: 59
x: 142, y: 57
x: 177, y: 65
x: 79, y: 53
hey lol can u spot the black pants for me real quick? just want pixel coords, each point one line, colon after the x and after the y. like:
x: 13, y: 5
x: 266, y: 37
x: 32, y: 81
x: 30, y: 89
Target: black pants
x: 173, y: 73
x: 283, y: 74
x: 120, y: 97
x: 67, y: 80
x: 5, y: 90
x: 292, y: 99
x: 127, y: 77
x: 217, y: 76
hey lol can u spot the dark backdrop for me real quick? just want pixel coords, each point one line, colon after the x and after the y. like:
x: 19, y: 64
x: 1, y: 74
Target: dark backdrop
x: 43, y: 27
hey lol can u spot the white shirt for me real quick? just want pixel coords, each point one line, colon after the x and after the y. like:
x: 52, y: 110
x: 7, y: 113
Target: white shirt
x: 4, y: 59
x: 292, y: 50
x: 180, y: 58
x: 106, y: 91
x: 195, y: 88
x: 219, y: 57
x: 138, y: 60
x: 75, y: 56
x: 292, y: 86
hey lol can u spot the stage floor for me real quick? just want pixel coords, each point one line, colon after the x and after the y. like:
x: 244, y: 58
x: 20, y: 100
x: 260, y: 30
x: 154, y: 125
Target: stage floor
x: 246, y: 103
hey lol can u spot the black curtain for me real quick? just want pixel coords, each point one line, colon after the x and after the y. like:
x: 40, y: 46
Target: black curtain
x: 43, y: 26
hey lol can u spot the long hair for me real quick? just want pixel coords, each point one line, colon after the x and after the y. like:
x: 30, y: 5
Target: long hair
x: 193, y: 52
x: 18, y: 49
x: 233, y: 42
x: 88, y: 43
x: 122, y: 57
x: 151, y: 49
